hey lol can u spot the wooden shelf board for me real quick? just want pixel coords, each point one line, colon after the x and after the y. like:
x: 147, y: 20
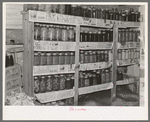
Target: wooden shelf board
x: 126, y: 81
x: 54, y: 46
x: 95, y: 88
x: 54, y: 95
x: 53, y: 73
x: 52, y: 69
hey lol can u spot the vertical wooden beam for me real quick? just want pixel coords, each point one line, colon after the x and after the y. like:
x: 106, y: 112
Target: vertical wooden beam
x: 114, y: 66
x: 76, y: 65
x: 28, y: 30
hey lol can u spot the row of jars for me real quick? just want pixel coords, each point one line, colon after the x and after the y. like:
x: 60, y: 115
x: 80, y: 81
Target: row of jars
x: 128, y: 54
x: 109, y: 14
x: 87, y: 11
x: 53, y: 83
x: 128, y: 35
x: 53, y: 32
x: 54, y: 58
x: 94, y: 77
x: 102, y: 35
x: 95, y: 56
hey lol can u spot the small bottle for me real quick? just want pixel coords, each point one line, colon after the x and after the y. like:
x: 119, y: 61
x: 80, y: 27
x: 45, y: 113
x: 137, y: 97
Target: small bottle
x: 119, y: 35
x: 44, y: 31
x: 87, y: 58
x: 110, y: 55
x: 98, y: 56
x: 42, y: 84
x: 102, y: 56
x: 108, y: 35
x: 62, y: 82
x: 51, y: 33
x: 82, y: 36
x: 86, y: 36
x: 107, y: 76
x: 86, y: 80
x: 90, y: 39
x: 49, y: 58
x: 82, y: 57
x: 64, y: 34
x: 99, y: 36
x: 55, y: 84
x: 127, y: 35
x: 103, y: 77
x: 55, y: 59
x: 127, y: 54
x: 94, y: 79
x: 106, y: 56
x: 61, y: 58
x: 94, y: 56
x: 36, y: 59
x: 67, y: 58
x: 98, y: 75
x: 123, y: 55
x: 36, y: 85
x: 68, y: 83
x: 43, y: 60
x: 37, y: 31
x: 103, y: 35
x: 72, y: 58
x: 49, y: 83
x: 91, y: 57
x: 130, y: 35
x: 95, y: 36
x: 119, y: 55
x: 131, y: 54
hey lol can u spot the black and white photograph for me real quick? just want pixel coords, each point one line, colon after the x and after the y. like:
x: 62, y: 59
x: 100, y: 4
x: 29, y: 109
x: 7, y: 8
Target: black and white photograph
x: 75, y: 56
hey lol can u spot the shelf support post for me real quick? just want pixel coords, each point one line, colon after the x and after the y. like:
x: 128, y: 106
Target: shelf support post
x: 76, y: 65
x: 114, y: 66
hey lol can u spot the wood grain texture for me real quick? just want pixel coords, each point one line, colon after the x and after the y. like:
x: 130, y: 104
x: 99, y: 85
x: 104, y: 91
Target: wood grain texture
x: 114, y: 66
x: 13, y: 16
x: 77, y: 64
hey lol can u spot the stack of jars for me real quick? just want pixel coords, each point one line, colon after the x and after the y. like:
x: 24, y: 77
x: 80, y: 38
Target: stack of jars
x: 53, y: 83
x: 54, y: 58
x: 94, y: 77
x: 102, y: 35
x: 128, y: 35
x: 112, y: 14
x: 47, y: 32
x: 95, y: 56
x: 87, y: 11
x: 128, y: 54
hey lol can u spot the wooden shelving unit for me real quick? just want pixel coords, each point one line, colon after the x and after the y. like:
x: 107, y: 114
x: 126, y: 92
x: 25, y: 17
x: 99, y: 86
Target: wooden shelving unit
x: 31, y: 45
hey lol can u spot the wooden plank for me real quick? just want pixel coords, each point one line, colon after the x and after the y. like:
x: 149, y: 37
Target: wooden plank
x: 25, y: 53
x: 28, y: 31
x: 54, y: 95
x: 30, y: 58
x: 114, y: 66
x: 77, y: 65
x: 95, y: 88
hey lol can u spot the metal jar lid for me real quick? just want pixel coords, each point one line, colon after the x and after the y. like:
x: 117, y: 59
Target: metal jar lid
x: 48, y: 54
x: 36, y: 54
x: 94, y: 52
x: 43, y: 77
x: 35, y: 77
